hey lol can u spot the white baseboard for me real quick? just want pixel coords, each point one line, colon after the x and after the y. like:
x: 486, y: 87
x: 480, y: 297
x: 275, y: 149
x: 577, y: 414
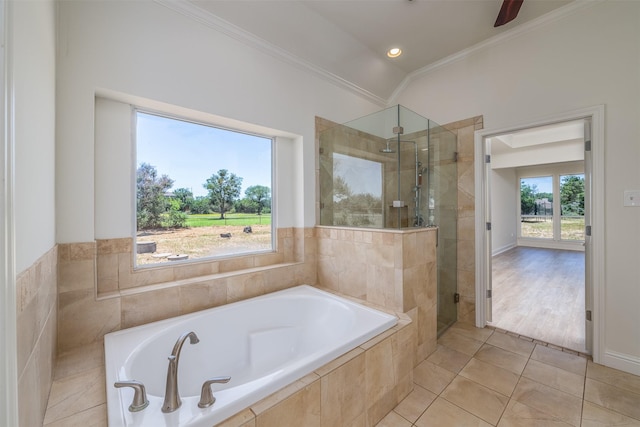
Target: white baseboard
x: 623, y: 362
x: 498, y: 251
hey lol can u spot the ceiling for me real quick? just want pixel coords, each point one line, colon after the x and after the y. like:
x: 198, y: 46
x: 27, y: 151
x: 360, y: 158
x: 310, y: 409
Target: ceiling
x: 347, y: 40
x: 555, y: 143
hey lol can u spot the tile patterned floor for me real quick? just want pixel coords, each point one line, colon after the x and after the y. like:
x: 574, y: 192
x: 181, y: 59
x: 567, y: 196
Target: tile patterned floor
x: 482, y: 377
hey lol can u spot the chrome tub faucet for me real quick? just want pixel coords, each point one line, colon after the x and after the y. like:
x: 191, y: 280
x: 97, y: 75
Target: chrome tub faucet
x: 172, y: 397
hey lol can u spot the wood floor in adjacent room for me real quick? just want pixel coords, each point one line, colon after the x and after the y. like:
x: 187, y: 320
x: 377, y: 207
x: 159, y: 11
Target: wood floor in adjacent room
x: 540, y: 293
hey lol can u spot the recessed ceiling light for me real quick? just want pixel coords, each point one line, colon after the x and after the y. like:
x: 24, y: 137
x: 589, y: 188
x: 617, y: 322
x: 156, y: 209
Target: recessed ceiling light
x: 394, y: 52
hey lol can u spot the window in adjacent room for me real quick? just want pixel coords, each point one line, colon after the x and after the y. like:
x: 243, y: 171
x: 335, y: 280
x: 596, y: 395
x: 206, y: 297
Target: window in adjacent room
x: 201, y: 191
x: 536, y: 207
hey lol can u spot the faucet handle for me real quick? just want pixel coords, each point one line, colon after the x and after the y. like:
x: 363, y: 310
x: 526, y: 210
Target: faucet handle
x: 206, y: 396
x: 140, y: 400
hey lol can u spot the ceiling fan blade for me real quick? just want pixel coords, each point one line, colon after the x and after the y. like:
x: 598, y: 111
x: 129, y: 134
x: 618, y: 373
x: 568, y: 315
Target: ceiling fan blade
x: 508, y: 12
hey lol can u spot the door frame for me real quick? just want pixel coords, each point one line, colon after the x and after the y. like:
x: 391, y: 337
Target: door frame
x: 594, y: 266
x: 8, y: 333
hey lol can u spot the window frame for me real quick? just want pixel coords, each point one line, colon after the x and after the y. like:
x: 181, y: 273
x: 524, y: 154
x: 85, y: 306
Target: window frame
x: 555, y: 170
x: 135, y: 109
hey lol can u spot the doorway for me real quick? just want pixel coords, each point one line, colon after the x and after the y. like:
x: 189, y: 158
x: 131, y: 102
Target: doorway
x: 518, y: 275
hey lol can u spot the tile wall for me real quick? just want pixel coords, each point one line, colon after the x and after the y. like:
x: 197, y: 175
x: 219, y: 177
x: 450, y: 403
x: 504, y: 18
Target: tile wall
x: 466, y: 264
x: 395, y: 269
x: 100, y: 292
x: 36, y: 333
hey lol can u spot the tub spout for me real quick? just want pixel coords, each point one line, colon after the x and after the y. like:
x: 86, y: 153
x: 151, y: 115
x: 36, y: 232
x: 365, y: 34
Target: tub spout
x: 172, y: 397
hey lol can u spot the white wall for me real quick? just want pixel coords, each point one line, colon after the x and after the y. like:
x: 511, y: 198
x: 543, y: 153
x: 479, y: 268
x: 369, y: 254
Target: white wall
x: 587, y: 58
x: 504, y: 209
x: 32, y: 67
x: 147, y: 50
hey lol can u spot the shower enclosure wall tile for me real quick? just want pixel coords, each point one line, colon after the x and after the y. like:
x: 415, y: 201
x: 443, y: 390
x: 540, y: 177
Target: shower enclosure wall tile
x: 398, y: 271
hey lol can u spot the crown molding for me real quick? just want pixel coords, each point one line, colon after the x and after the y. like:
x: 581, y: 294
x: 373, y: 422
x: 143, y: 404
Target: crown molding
x: 527, y: 27
x: 197, y: 14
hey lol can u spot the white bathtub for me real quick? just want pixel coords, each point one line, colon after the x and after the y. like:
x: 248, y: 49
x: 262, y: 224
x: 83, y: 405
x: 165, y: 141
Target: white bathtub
x: 263, y: 344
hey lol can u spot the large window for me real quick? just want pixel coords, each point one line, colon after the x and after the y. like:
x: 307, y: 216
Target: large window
x: 536, y: 207
x: 541, y: 218
x: 572, y: 207
x: 201, y: 191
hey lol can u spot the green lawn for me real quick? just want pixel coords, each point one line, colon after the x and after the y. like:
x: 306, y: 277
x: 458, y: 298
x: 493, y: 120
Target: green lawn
x: 571, y: 229
x: 213, y: 220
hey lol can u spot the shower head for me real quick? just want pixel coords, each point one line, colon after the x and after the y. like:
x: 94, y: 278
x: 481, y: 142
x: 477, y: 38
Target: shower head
x: 387, y: 149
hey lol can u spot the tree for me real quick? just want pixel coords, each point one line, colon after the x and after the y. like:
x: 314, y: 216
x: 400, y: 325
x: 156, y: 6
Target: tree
x: 224, y: 188
x: 151, y: 202
x: 527, y: 198
x: 260, y: 195
x: 572, y: 195
x: 201, y: 205
x: 185, y: 197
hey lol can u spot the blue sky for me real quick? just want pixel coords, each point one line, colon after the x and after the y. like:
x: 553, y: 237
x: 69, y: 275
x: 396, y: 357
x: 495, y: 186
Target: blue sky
x: 190, y: 153
x: 543, y: 183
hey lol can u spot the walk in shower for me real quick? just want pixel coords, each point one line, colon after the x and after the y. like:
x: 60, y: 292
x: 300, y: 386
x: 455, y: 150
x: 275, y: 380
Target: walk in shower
x: 395, y: 169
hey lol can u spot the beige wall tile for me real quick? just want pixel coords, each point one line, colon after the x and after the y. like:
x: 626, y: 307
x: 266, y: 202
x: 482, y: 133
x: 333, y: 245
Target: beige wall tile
x: 83, y: 320
x: 245, y: 286
x: 244, y: 418
x: 113, y: 246
x: 343, y: 398
x: 203, y: 295
x: 82, y: 251
x: 77, y: 275
x: 195, y: 270
x: 301, y: 408
x: 30, y: 408
x: 36, y: 336
x: 380, y: 379
x: 148, y: 307
x: 107, y: 277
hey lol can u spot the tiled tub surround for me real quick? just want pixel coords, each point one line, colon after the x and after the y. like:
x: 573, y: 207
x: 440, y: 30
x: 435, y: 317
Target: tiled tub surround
x: 128, y: 297
x: 36, y: 333
x: 356, y: 389
x: 395, y: 269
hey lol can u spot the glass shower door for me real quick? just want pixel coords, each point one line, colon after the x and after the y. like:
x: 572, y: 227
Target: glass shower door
x: 442, y: 205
